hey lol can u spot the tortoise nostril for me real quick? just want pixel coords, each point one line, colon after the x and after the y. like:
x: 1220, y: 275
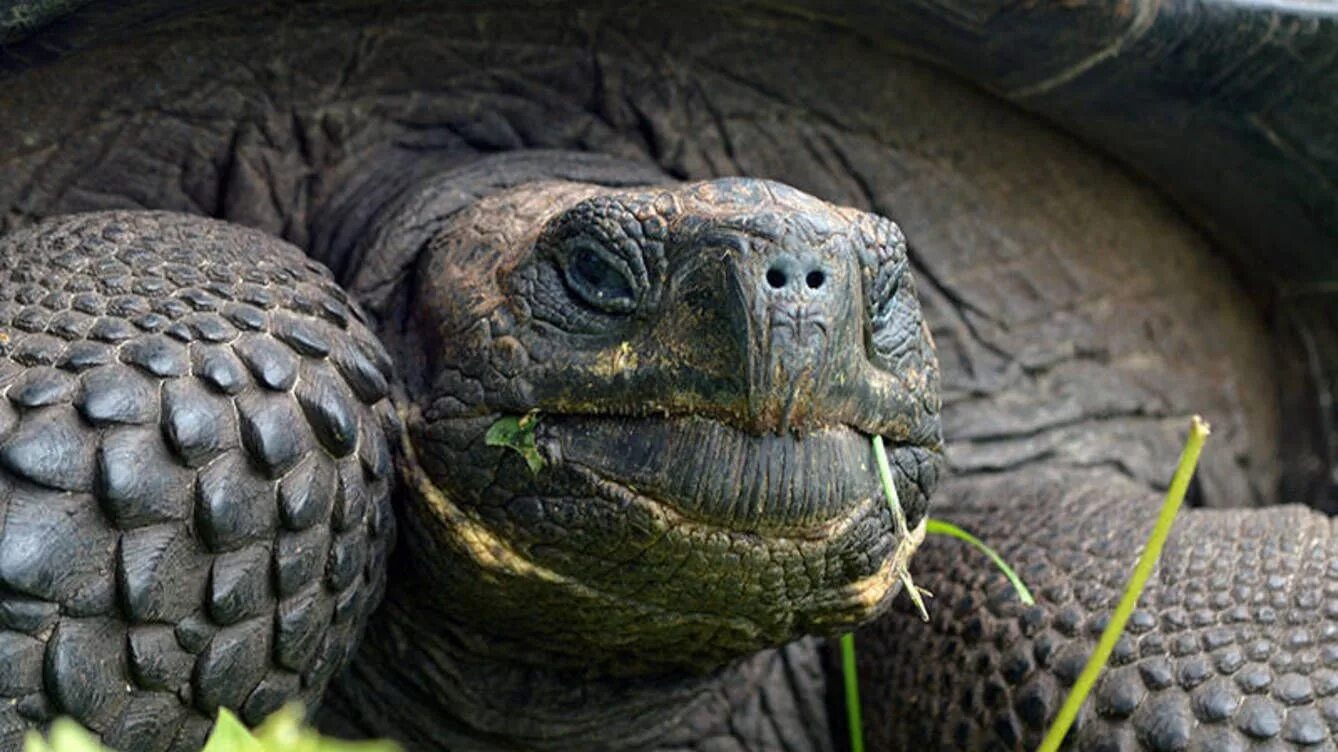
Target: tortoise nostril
x: 815, y: 279
x: 776, y: 277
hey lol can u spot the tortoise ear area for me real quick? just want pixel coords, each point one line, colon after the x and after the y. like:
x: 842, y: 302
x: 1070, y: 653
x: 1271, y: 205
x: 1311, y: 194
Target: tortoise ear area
x: 894, y: 324
x: 879, y: 240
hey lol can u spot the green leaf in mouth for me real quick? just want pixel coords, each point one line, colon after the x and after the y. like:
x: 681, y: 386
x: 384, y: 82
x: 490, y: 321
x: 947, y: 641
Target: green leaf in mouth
x: 517, y: 433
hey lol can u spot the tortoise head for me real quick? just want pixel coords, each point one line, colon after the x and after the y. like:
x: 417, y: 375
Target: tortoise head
x: 690, y: 375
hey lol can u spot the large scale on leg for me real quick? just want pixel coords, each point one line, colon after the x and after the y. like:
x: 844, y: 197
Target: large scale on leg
x: 194, y: 476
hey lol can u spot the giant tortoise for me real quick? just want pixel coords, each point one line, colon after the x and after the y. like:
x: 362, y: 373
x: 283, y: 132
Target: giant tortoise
x: 274, y: 278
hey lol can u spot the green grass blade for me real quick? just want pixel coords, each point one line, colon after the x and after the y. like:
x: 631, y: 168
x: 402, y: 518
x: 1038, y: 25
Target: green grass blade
x: 899, y: 522
x: 940, y: 527
x: 1175, y: 495
x: 854, y: 719
x: 889, y: 489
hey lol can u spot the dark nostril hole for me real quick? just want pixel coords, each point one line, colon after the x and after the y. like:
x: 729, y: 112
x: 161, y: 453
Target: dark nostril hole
x: 815, y: 279
x: 775, y: 278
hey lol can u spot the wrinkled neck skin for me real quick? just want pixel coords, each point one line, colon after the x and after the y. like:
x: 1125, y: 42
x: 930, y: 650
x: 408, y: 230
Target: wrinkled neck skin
x: 425, y: 677
x: 432, y: 684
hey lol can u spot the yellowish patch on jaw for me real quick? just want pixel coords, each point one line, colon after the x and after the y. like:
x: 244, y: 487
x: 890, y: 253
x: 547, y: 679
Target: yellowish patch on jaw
x: 869, y: 592
x: 495, y: 556
x: 620, y: 359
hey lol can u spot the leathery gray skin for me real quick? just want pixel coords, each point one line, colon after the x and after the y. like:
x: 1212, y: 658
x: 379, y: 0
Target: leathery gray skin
x: 1078, y: 319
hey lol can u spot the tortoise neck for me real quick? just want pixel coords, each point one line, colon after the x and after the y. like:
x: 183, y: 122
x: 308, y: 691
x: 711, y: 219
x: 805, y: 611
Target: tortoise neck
x: 429, y: 683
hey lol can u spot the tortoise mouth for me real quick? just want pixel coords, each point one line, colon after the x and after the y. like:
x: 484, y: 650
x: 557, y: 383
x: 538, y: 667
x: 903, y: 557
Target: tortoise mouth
x: 715, y: 474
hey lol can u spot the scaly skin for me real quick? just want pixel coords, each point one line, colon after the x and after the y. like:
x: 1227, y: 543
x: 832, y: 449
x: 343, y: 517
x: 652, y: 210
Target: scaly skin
x: 1234, y: 645
x: 195, y: 474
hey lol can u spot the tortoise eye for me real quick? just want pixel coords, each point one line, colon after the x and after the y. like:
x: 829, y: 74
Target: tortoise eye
x: 599, y: 278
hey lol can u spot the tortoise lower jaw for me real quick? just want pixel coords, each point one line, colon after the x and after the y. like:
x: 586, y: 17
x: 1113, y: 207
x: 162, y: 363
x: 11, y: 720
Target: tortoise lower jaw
x: 714, y: 474
x: 599, y: 559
